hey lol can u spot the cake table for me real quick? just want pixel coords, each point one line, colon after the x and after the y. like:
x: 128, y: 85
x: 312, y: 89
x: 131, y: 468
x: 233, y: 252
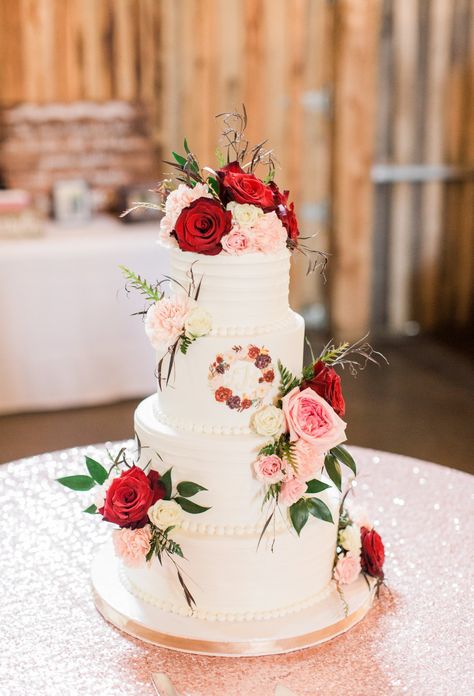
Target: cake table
x: 415, y: 639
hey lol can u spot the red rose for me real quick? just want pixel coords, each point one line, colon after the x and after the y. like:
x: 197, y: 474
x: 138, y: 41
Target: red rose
x: 269, y: 376
x: 222, y: 394
x: 327, y: 383
x: 372, y: 554
x: 130, y: 495
x: 253, y: 352
x: 236, y: 185
x: 285, y: 211
x: 246, y: 403
x: 201, y: 226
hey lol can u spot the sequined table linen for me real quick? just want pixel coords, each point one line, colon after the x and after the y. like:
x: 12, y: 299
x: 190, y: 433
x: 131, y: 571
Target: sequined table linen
x: 416, y: 640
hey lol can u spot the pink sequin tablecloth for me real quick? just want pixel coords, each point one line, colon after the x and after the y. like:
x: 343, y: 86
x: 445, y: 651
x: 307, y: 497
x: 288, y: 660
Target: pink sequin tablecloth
x: 416, y: 640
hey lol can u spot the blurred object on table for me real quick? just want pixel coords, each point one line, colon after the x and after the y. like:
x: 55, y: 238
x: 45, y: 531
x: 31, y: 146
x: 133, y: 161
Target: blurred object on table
x: 129, y: 196
x: 17, y: 217
x: 71, y: 201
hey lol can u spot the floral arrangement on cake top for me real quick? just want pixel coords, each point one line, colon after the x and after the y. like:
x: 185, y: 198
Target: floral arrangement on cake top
x: 173, y: 322
x: 143, y: 507
x: 229, y: 209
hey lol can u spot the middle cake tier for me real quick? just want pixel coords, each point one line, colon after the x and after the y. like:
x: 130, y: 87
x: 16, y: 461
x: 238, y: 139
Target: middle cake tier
x: 223, y: 379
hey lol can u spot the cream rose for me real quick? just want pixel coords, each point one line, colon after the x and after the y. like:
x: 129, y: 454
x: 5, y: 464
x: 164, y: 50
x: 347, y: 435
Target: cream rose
x: 349, y: 539
x: 244, y: 214
x: 268, y: 421
x: 310, y: 417
x: 198, y: 323
x: 165, y: 513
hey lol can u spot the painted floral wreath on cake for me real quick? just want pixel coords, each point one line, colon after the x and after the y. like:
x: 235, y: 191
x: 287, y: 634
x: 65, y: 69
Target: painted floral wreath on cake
x: 243, y: 377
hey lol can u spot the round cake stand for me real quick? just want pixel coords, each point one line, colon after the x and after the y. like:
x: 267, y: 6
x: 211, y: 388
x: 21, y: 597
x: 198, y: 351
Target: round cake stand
x: 325, y: 620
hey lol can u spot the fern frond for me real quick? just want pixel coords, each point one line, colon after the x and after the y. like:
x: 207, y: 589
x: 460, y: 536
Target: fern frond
x: 138, y: 283
x: 287, y: 380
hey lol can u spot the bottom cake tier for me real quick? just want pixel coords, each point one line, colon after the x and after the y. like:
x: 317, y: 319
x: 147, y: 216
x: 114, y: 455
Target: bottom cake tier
x: 231, y: 576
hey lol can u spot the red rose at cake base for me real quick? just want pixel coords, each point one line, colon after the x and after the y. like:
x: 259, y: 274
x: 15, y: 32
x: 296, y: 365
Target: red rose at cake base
x: 130, y: 496
x: 372, y: 554
x: 327, y: 383
x: 237, y: 185
x: 201, y: 226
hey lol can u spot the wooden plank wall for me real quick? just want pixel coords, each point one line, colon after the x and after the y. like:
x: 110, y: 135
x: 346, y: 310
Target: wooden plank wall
x: 424, y: 223
x: 304, y: 71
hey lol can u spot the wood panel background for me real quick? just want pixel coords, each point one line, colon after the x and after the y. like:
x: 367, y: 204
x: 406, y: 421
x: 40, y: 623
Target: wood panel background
x: 365, y: 101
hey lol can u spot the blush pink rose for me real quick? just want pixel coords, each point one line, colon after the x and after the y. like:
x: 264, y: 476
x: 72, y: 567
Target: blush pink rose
x: 269, y: 235
x: 269, y: 469
x: 309, y: 460
x: 236, y: 242
x: 164, y: 321
x: 132, y: 545
x: 347, y: 569
x: 311, y: 418
x: 291, y: 491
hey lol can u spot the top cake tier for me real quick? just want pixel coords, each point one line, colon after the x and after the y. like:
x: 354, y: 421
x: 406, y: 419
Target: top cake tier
x: 249, y: 293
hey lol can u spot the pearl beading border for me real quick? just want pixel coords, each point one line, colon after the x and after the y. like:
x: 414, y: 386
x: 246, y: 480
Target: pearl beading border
x: 227, y: 530
x: 200, y: 428
x: 230, y: 616
x: 252, y: 330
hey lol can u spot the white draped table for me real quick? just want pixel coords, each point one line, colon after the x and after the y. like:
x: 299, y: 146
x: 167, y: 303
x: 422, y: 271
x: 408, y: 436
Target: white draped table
x: 416, y: 640
x: 67, y: 337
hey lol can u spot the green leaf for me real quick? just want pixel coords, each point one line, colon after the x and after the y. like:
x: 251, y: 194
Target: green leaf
x: 186, y: 147
x: 189, y: 506
x: 268, y: 449
x: 179, y: 158
x: 319, y: 509
x: 213, y: 184
x: 187, y: 488
x: 166, y: 481
x: 96, y: 470
x: 345, y: 458
x: 315, y: 486
x: 92, y: 509
x: 77, y: 483
x: 334, y: 470
x: 299, y: 515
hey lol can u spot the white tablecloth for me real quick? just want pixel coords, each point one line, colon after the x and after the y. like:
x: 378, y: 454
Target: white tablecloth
x: 66, y: 334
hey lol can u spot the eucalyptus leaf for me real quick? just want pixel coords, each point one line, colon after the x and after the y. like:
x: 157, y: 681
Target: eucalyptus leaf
x: 179, y: 158
x: 316, y: 486
x: 96, y: 470
x: 299, y: 515
x: 189, y: 506
x: 333, y: 469
x: 92, y: 509
x: 345, y: 458
x: 319, y: 509
x: 166, y: 481
x: 77, y: 483
x: 187, y: 488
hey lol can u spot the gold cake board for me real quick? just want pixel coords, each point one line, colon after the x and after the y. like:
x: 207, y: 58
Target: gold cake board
x: 303, y: 629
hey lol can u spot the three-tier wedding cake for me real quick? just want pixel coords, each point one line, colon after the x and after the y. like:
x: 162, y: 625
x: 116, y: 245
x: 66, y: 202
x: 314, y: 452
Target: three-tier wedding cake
x: 232, y: 530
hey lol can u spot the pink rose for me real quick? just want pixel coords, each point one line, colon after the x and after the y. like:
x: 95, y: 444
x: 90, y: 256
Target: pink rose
x: 176, y: 202
x: 132, y: 545
x: 291, y: 491
x: 236, y: 242
x: 269, y: 469
x: 164, y: 321
x: 347, y: 569
x: 311, y: 418
x: 269, y: 235
x: 309, y: 460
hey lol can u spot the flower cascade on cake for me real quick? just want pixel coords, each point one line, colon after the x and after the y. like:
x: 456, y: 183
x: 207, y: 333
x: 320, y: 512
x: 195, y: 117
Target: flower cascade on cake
x: 305, y: 456
x: 142, y: 506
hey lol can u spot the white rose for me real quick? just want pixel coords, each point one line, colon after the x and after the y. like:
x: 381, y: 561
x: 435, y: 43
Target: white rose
x: 165, y: 513
x: 268, y: 421
x: 244, y: 214
x: 198, y: 323
x: 349, y: 539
